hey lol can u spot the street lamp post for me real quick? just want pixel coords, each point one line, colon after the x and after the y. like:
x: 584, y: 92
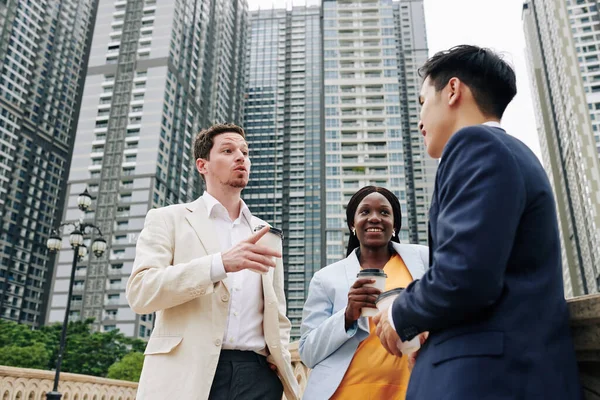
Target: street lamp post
x: 54, y: 244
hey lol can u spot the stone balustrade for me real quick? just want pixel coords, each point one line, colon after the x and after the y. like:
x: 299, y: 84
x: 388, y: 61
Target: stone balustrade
x: 585, y: 325
x: 301, y: 371
x: 32, y: 384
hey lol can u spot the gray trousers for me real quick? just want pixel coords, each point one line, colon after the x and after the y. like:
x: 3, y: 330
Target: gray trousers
x: 244, y: 375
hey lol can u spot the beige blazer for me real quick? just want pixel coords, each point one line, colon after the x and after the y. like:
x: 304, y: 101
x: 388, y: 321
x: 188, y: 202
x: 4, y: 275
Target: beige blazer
x: 171, y: 276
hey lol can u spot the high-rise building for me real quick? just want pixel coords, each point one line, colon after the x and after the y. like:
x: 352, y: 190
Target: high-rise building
x: 412, y: 52
x: 322, y: 127
x: 158, y: 72
x: 44, y: 46
x: 283, y: 122
x: 372, y: 51
x: 564, y: 67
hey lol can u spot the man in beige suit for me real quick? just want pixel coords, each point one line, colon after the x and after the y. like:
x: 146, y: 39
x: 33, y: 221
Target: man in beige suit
x: 220, y: 330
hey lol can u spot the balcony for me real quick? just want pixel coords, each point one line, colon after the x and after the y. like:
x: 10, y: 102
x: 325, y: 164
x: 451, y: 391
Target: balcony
x: 110, y: 317
x: 78, y: 288
x: 376, y: 148
x: 346, y: 149
x: 356, y: 171
x: 76, y: 303
x: 112, y: 301
x: 74, y: 317
x: 115, y: 286
x: 115, y: 272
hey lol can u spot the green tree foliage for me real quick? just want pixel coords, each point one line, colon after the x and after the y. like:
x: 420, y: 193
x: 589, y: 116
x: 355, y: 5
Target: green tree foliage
x: 129, y: 368
x: 34, y: 356
x: 87, y: 352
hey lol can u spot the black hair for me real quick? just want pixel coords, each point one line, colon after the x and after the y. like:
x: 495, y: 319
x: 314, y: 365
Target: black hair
x: 353, y: 204
x: 491, y: 79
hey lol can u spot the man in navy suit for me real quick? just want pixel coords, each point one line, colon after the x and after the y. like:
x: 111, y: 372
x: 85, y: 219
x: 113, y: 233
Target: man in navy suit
x: 492, y: 299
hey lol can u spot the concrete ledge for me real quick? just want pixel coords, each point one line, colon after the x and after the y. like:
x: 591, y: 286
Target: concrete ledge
x: 24, y: 383
x: 585, y: 326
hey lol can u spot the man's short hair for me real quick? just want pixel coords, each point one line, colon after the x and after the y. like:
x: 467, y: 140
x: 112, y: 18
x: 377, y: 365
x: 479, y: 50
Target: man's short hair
x: 203, y: 142
x: 491, y: 79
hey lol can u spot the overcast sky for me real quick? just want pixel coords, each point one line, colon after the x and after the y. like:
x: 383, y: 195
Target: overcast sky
x: 495, y: 24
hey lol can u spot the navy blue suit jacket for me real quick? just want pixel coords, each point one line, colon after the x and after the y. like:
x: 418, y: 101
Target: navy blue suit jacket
x: 493, y: 298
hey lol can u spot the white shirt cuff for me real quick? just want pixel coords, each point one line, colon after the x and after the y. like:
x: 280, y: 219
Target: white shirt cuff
x: 217, y: 269
x: 391, y: 317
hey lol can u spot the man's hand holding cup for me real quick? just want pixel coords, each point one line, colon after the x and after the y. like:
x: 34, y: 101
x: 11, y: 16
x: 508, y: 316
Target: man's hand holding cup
x: 248, y: 254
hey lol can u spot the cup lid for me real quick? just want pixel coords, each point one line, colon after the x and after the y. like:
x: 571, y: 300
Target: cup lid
x: 371, y: 272
x: 389, y: 293
x: 272, y: 230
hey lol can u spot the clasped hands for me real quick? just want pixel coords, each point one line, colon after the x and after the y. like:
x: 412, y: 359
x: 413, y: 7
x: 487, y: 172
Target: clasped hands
x: 390, y: 340
x: 361, y: 296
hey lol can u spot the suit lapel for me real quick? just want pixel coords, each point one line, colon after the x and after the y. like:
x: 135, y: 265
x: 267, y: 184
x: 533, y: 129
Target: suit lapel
x: 204, y: 228
x: 412, y: 259
x: 432, y: 225
x: 352, y: 266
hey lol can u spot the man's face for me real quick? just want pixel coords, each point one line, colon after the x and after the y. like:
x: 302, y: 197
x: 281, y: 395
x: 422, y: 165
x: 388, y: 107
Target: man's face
x: 436, y: 120
x: 228, y: 164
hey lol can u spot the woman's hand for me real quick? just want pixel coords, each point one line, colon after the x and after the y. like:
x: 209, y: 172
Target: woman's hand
x: 360, y: 296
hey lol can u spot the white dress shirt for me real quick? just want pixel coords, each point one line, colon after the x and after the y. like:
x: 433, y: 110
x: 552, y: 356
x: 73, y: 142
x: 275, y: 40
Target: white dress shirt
x: 244, y: 330
x: 494, y: 124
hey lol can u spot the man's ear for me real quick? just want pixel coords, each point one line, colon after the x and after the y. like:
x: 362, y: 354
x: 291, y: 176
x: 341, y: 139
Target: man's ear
x: 455, y: 88
x: 201, y: 165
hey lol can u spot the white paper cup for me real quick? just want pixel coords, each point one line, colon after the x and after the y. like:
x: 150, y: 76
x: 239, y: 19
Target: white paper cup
x: 379, y: 276
x: 385, y: 299
x: 410, y: 346
x: 272, y: 239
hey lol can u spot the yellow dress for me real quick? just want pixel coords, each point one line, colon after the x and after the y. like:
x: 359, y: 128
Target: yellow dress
x: 373, y: 373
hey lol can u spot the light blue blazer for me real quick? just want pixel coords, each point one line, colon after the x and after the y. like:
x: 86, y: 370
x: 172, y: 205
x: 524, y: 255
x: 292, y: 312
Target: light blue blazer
x: 325, y: 345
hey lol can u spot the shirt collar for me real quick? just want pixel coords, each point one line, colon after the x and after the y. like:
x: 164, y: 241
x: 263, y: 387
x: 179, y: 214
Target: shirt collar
x: 494, y: 124
x: 212, y: 205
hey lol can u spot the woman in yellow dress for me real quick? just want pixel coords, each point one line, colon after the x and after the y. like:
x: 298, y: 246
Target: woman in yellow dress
x: 347, y: 360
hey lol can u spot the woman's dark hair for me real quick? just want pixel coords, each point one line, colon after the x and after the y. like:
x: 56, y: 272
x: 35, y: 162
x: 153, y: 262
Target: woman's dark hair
x: 353, y: 242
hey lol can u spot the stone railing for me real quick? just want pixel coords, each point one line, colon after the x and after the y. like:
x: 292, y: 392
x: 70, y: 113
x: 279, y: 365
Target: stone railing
x: 585, y: 325
x: 32, y: 384
x: 301, y: 371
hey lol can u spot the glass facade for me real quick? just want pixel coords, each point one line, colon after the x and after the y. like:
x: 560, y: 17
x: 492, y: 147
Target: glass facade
x: 44, y: 48
x: 283, y: 120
